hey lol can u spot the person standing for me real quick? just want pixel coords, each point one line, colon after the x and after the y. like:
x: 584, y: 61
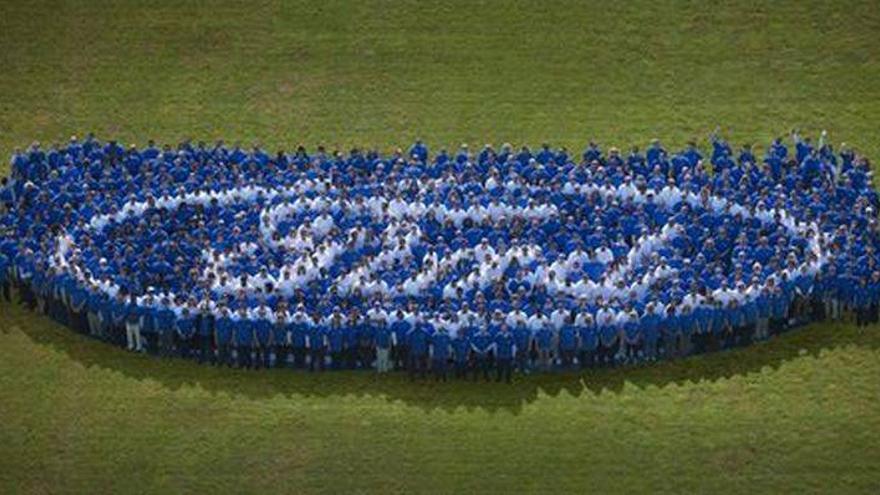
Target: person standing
x: 185, y: 329
x: 505, y: 350
x: 206, y: 324
x: 419, y: 339
x: 440, y: 347
x: 118, y: 312
x: 244, y: 339
x: 133, y: 319
x: 524, y: 341
x: 224, y: 328
x: 385, y: 340
x: 317, y: 343
x: 461, y: 350
x: 281, y: 336
x: 299, y: 336
x: 165, y: 328
x: 262, y: 324
x: 567, y: 341
x: 481, y: 347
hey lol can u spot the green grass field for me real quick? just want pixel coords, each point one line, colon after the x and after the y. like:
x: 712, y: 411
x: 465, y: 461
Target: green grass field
x: 798, y: 414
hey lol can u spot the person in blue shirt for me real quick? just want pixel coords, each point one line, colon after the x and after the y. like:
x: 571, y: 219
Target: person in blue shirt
x: 874, y: 303
x: 118, y: 311
x: 648, y: 325
x: 224, y: 328
x: 318, y: 343
x: 94, y: 301
x: 419, y: 339
x: 862, y: 303
x: 364, y: 339
x: 298, y: 329
x: 336, y: 340
x: 205, y: 323
x: 384, y: 342
x: 262, y: 337
x: 5, y: 285
x: 634, y: 337
x: 568, y: 336
x: 244, y: 339
x: 399, y: 351
x: 522, y: 335
x: 481, y: 347
x: 461, y: 350
x: 762, y: 309
x: 588, y: 341
x: 185, y: 331
x: 165, y: 328
x: 505, y: 350
x: 149, y: 313
x: 441, y: 346
x: 281, y: 338
x: 779, y: 314
x: 133, y: 319
x: 544, y: 346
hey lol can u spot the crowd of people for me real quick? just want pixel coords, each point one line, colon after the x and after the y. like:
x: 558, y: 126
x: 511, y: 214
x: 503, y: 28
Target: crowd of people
x: 472, y: 264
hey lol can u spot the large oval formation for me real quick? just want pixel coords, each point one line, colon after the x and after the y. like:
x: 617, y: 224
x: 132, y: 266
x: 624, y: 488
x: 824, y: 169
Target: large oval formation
x: 597, y: 261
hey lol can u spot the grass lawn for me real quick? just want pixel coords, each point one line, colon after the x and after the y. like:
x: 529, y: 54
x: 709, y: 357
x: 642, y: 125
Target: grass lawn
x: 798, y: 414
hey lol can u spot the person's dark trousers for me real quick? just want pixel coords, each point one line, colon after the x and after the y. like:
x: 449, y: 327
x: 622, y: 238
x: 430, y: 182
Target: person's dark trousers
x: 299, y: 357
x: 257, y: 360
x: 366, y: 356
x: 402, y: 357
x: 317, y: 361
x: 73, y: 318
x: 5, y: 291
x: 632, y: 350
x: 166, y: 342
x: 438, y: 366
x: 338, y: 358
x: 875, y: 313
x: 423, y: 366
x: 27, y: 296
x: 729, y: 338
x: 503, y: 368
x: 282, y: 352
x: 522, y: 360
x: 748, y: 334
x: 61, y: 312
x: 181, y: 345
x: 606, y: 355
x: 244, y: 357
x: 587, y: 359
x: 483, y: 365
x: 613, y: 351
x: 418, y: 365
x: 461, y: 369
x: 206, y: 353
x: 83, y: 323
x: 818, y: 308
x: 119, y: 335
x: 262, y: 357
x: 350, y: 357
x: 151, y: 342
x: 224, y: 356
x: 266, y: 354
x: 567, y: 358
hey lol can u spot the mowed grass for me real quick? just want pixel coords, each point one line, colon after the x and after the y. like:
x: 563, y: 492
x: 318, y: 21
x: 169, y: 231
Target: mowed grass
x: 799, y: 414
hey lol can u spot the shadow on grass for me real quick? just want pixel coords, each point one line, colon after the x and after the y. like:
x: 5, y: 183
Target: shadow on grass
x: 177, y: 373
